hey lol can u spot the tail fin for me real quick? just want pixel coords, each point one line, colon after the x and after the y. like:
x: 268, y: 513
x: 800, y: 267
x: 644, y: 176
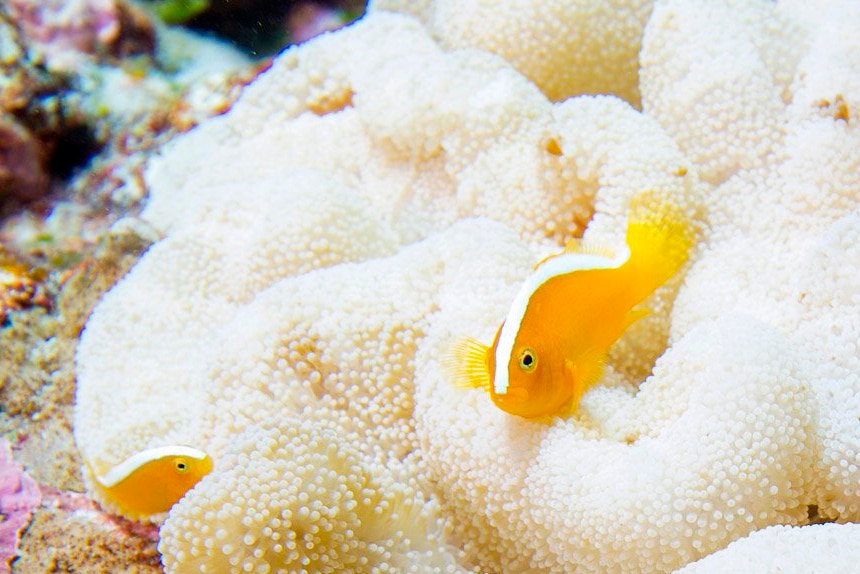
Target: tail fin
x: 660, y: 237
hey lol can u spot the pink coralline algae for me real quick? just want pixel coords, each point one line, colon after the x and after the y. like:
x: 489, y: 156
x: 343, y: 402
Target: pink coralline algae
x: 19, y: 495
x: 310, y: 19
x: 66, y: 31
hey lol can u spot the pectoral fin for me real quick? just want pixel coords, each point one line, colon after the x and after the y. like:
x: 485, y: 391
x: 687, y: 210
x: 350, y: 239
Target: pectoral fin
x: 584, y: 372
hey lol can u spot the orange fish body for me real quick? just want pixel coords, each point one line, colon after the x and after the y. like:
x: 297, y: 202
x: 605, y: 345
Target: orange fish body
x: 152, y: 481
x: 568, y: 313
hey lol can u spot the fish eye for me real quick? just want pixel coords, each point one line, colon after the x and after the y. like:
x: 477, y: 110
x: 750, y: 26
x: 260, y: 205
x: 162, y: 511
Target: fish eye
x: 181, y: 465
x: 528, y: 360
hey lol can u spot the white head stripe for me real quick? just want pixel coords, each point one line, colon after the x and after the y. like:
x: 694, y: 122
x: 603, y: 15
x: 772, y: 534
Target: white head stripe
x: 559, y: 265
x: 135, y: 461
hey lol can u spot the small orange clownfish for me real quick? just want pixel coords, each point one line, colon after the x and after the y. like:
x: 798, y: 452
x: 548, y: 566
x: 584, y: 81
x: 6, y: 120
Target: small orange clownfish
x: 151, y: 481
x: 553, y: 344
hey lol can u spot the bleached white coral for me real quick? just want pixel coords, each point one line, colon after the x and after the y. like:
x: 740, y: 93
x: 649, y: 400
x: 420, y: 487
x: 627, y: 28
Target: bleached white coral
x: 782, y: 250
x: 151, y: 332
x: 750, y: 415
x: 411, y: 166
x: 566, y: 48
x: 817, y: 548
x: 715, y: 445
x: 364, y: 105
x: 335, y: 346
x: 342, y: 340
x: 705, y: 81
x: 297, y: 496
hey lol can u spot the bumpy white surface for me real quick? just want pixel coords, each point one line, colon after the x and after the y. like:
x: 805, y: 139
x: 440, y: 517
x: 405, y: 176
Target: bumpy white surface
x: 821, y: 548
x: 784, y: 248
x: 170, y: 305
x: 708, y: 84
x: 751, y: 414
x: 297, y: 495
x: 715, y: 445
x: 403, y: 167
x: 566, y: 48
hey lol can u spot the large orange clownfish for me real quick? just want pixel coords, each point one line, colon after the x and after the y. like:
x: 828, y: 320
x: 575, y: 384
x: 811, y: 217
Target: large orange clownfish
x: 553, y: 344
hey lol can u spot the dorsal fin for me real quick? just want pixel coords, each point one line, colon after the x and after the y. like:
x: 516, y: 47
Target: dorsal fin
x: 582, y: 247
x: 589, y: 247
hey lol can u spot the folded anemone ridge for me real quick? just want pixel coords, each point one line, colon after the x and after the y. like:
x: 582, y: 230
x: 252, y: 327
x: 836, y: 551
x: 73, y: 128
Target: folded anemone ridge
x: 384, y: 190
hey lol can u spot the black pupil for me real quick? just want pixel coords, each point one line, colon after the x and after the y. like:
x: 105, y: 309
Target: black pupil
x: 180, y: 465
x: 527, y: 359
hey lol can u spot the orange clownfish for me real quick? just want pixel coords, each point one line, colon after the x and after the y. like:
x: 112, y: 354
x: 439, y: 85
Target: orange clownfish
x: 553, y: 343
x: 151, y: 481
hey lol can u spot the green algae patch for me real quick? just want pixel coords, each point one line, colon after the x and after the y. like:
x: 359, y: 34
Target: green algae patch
x: 180, y: 11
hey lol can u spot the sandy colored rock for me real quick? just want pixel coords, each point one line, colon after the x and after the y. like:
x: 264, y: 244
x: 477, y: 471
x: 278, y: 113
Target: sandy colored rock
x: 69, y: 534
